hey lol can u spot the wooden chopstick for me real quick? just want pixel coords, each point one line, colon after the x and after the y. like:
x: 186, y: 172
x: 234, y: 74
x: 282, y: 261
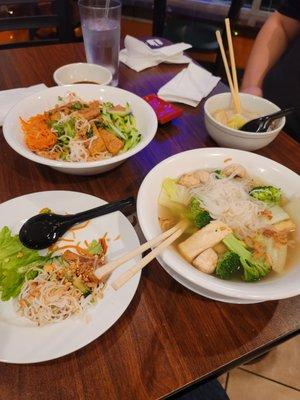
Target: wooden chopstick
x: 108, y: 268
x: 126, y: 276
x: 220, y: 42
x: 232, y: 63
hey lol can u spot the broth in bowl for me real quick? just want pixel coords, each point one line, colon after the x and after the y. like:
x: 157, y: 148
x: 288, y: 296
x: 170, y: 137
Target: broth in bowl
x: 239, y: 227
x: 231, y: 119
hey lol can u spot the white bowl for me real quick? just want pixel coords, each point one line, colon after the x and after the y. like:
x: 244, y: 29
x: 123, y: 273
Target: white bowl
x: 200, y: 290
x: 46, y: 99
x: 82, y: 72
x: 275, y: 287
x: 234, y: 138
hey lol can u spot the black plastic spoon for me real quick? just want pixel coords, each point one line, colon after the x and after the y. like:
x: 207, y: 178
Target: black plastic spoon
x: 42, y: 230
x: 262, y: 124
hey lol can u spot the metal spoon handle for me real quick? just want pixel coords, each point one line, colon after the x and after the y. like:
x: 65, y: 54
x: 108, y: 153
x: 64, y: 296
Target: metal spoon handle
x: 98, y: 211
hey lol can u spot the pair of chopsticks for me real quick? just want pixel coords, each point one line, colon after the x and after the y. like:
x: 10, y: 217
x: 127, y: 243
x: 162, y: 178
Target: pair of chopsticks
x: 231, y: 77
x: 159, y: 243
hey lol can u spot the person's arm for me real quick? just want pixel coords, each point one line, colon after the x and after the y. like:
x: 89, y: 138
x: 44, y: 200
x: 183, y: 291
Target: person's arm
x: 271, y: 42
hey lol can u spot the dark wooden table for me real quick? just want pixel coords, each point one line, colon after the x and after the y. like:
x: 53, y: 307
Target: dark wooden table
x: 169, y: 337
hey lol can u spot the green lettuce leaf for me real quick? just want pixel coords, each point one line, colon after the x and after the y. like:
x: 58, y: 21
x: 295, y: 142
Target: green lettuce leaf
x: 15, y: 261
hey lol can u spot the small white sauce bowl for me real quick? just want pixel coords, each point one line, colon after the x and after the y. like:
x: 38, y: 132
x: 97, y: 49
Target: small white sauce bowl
x: 235, y: 138
x: 82, y: 72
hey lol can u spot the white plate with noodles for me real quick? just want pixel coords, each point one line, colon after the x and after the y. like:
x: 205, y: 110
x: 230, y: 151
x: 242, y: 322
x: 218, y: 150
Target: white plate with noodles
x: 81, y: 129
x: 238, y: 245
x: 48, y: 312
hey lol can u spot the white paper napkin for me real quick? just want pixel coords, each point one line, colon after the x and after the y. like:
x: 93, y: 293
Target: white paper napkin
x: 189, y: 86
x: 8, y: 98
x: 139, y: 56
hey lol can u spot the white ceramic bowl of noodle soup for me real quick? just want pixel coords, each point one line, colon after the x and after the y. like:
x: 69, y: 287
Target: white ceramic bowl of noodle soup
x: 274, y: 287
x: 146, y: 121
x: 234, y: 138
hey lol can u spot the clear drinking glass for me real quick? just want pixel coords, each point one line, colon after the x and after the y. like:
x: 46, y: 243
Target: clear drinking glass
x: 101, y: 33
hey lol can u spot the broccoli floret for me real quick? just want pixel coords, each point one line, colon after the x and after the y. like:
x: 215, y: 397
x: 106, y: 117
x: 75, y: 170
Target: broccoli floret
x: 202, y: 219
x: 193, y: 208
x: 228, y: 264
x: 197, y: 214
x: 267, y: 194
x: 253, y: 269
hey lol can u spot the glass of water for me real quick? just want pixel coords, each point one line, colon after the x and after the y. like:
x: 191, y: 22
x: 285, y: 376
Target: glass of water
x: 100, y: 22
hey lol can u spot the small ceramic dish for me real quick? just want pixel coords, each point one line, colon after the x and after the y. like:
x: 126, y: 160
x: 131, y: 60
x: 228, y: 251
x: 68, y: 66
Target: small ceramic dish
x: 82, y: 73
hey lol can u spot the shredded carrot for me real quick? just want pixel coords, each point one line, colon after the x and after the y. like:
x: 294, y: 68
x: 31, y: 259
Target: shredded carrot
x: 65, y: 240
x: 79, y: 249
x: 77, y: 227
x: 103, y: 243
x: 38, y: 135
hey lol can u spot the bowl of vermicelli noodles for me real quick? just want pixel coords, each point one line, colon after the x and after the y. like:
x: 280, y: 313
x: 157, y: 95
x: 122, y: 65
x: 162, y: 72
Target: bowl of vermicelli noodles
x: 80, y: 129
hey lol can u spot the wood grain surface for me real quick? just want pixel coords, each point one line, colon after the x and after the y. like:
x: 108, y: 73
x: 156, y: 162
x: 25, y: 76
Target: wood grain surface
x: 169, y: 337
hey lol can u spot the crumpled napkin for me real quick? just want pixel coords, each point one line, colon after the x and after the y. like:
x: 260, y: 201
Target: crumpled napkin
x: 8, y: 98
x: 139, y: 56
x: 189, y: 86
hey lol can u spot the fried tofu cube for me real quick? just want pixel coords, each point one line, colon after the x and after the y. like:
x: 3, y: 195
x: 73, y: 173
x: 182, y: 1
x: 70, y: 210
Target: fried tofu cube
x: 112, y: 143
x: 206, y: 261
x: 92, y: 111
x: 203, y: 239
x: 69, y: 255
x: 97, y: 146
